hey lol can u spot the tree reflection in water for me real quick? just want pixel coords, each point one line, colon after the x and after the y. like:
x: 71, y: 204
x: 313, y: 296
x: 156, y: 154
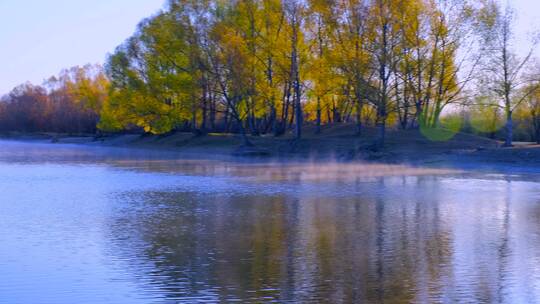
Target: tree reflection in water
x: 401, y: 240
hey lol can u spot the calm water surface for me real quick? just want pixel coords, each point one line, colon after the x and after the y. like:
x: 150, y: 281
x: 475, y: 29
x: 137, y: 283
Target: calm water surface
x: 94, y: 225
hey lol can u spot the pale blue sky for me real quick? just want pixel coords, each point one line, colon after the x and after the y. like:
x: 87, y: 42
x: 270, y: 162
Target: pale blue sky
x: 41, y: 37
x: 38, y: 38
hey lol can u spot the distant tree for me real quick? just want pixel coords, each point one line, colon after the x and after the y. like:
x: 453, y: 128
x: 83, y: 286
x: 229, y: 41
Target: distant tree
x: 24, y: 109
x: 68, y: 103
x: 504, y: 70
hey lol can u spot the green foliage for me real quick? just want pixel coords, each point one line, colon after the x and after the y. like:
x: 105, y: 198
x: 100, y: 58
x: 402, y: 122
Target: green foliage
x: 486, y: 118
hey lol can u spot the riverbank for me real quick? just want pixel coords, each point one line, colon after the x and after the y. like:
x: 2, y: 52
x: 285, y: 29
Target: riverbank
x: 337, y: 143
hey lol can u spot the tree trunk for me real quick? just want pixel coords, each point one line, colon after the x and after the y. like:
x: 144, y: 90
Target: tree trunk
x: 204, y: 114
x: 382, y: 132
x: 536, y: 126
x: 212, y: 116
x: 359, y: 107
x: 273, y: 119
x: 509, y: 129
x: 295, y: 73
x: 252, y: 124
x: 226, y: 120
x: 318, y: 128
x: 194, y: 122
x: 299, y: 117
x: 285, y: 110
x: 245, y: 140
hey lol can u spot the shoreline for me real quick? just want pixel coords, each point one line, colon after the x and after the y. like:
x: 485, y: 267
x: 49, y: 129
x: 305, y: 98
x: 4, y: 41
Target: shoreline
x: 464, y: 151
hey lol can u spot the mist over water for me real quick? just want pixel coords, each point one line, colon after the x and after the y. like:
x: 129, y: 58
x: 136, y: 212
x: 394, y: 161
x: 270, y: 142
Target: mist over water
x: 94, y: 225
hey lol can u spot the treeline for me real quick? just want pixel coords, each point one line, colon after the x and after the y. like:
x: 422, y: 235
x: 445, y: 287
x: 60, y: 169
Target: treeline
x: 273, y: 66
x: 266, y: 66
x: 69, y: 103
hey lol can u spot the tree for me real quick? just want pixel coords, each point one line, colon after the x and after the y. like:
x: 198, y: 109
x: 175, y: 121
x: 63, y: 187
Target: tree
x: 353, y: 58
x: 295, y: 13
x: 384, y: 49
x: 154, y: 76
x: 504, y: 70
x: 67, y: 103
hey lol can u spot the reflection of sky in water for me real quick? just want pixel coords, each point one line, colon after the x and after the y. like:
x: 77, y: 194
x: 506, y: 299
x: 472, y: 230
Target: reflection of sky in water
x: 91, y: 225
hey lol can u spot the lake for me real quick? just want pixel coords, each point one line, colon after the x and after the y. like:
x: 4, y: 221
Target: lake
x: 84, y: 224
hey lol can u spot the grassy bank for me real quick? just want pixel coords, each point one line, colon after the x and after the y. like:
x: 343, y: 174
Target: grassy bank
x: 334, y: 143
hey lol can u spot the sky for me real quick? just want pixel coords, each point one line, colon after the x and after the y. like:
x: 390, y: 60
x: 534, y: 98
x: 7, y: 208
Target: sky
x: 39, y: 38
x: 527, y: 15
